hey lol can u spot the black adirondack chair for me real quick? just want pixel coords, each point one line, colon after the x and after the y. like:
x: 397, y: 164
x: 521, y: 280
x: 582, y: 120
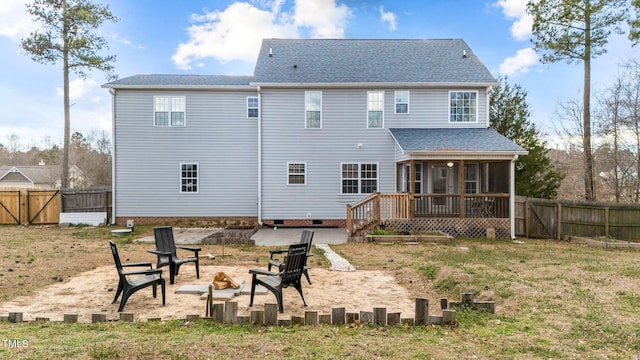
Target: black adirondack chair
x: 305, y: 238
x: 166, y: 251
x: 132, y: 281
x: 290, y: 275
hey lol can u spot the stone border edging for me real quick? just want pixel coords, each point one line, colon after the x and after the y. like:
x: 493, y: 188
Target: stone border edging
x: 227, y: 313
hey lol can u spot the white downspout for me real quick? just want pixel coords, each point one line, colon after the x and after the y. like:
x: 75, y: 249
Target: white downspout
x: 113, y: 155
x: 512, y: 198
x: 259, y: 156
x: 487, y: 105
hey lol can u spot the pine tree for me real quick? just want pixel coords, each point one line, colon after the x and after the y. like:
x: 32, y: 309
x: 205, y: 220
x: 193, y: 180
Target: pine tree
x: 577, y: 31
x: 68, y: 37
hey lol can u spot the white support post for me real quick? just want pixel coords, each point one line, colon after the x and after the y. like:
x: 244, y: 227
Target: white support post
x: 512, y: 198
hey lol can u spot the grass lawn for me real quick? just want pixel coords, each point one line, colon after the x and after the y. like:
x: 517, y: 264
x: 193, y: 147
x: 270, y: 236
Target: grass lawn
x: 553, y: 300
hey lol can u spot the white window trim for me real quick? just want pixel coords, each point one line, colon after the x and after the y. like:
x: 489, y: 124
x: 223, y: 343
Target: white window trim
x: 169, y: 120
x: 395, y: 103
x: 449, y: 107
x: 197, y: 178
x: 359, y: 177
x: 305, y: 173
x: 248, y: 108
x: 305, y: 109
x: 383, y: 95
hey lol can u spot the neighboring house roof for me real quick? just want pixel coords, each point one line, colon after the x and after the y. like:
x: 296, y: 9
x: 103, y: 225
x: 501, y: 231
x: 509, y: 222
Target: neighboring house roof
x: 426, y: 61
x: 480, y: 140
x: 36, y: 174
x: 177, y: 81
x: 39, y: 175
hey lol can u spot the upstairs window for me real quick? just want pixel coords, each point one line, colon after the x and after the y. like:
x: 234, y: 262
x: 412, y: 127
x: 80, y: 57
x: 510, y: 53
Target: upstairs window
x: 375, y: 109
x: 252, y: 107
x: 359, y: 178
x: 402, y: 102
x: 463, y: 106
x: 313, y: 109
x: 169, y: 110
x: 189, y: 178
x: 296, y: 174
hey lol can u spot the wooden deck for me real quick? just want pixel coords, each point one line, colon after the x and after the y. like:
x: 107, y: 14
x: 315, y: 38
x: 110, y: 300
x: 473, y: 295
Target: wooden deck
x: 376, y: 208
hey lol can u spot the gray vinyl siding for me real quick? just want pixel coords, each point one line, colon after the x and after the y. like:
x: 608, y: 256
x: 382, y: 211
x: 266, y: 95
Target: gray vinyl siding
x: 285, y: 139
x: 430, y: 108
x: 344, y: 126
x: 218, y: 137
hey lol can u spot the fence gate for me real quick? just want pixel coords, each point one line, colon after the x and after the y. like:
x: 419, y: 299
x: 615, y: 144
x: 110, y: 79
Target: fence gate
x: 543, y: 220
x: 43, y: 207
x: 10, y: 207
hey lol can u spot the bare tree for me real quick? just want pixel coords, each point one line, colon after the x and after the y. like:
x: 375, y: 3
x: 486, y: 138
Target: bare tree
x: 631, y: 95
x: 13, y: 146
x: 568, y: 130
x: 613, y: 154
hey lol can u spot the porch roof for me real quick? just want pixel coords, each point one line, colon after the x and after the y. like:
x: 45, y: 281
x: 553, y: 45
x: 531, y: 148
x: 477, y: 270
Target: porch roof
x: 455, y: 141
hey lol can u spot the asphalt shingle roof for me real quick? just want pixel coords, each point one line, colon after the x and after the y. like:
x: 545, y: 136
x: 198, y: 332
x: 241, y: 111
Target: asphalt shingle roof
x: 38, y: 174
x: 369, y: 60
x: 448, y: 140
x: 304, y: 61
x: 181, y: 80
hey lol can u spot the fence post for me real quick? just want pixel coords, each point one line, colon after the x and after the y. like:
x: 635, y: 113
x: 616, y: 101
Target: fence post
x: 559, y: 221
x: 526, y: 217
x: 606, y: 222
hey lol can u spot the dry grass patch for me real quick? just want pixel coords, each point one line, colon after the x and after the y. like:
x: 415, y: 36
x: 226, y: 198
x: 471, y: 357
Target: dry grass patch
x: 553, y: 300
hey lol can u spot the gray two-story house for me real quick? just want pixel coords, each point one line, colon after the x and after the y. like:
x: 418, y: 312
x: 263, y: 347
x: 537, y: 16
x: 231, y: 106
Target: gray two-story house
x: 344, y: 133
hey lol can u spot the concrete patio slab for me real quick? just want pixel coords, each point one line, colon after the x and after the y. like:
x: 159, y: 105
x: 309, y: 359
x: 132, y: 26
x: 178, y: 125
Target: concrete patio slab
x: 263, y: 237
x: 185, y: 236
x: 288, y: 236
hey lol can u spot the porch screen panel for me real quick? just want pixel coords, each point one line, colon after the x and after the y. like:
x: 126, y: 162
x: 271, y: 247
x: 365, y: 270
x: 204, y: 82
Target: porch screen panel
x: 499, y: 178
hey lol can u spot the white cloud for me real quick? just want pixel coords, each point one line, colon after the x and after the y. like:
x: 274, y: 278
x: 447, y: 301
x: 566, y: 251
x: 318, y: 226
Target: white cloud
x: 519, y: 63
x: 221, y: 35
x: 78, y: 88
x: 16, y: 21
x: 125, y: 41
x: 389, y: 18
x: 517, y: 10
x: 324, y: 17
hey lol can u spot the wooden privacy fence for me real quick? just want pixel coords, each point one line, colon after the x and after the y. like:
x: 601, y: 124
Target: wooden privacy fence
x: 555, y: 219
x: 27, y: 206
x: 42, y: 207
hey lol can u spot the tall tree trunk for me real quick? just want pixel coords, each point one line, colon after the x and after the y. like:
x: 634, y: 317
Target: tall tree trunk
x: 64, y: 177
x: 589, y: 191
x: 636, y: 121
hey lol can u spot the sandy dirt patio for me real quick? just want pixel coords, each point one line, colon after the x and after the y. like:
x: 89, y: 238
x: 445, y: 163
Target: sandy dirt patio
x: 93, y: 291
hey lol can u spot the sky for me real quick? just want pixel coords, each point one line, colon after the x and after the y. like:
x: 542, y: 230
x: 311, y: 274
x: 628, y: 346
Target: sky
x: 222, y: 37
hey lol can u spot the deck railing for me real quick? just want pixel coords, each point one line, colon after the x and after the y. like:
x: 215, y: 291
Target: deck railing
x: 370, y: 211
